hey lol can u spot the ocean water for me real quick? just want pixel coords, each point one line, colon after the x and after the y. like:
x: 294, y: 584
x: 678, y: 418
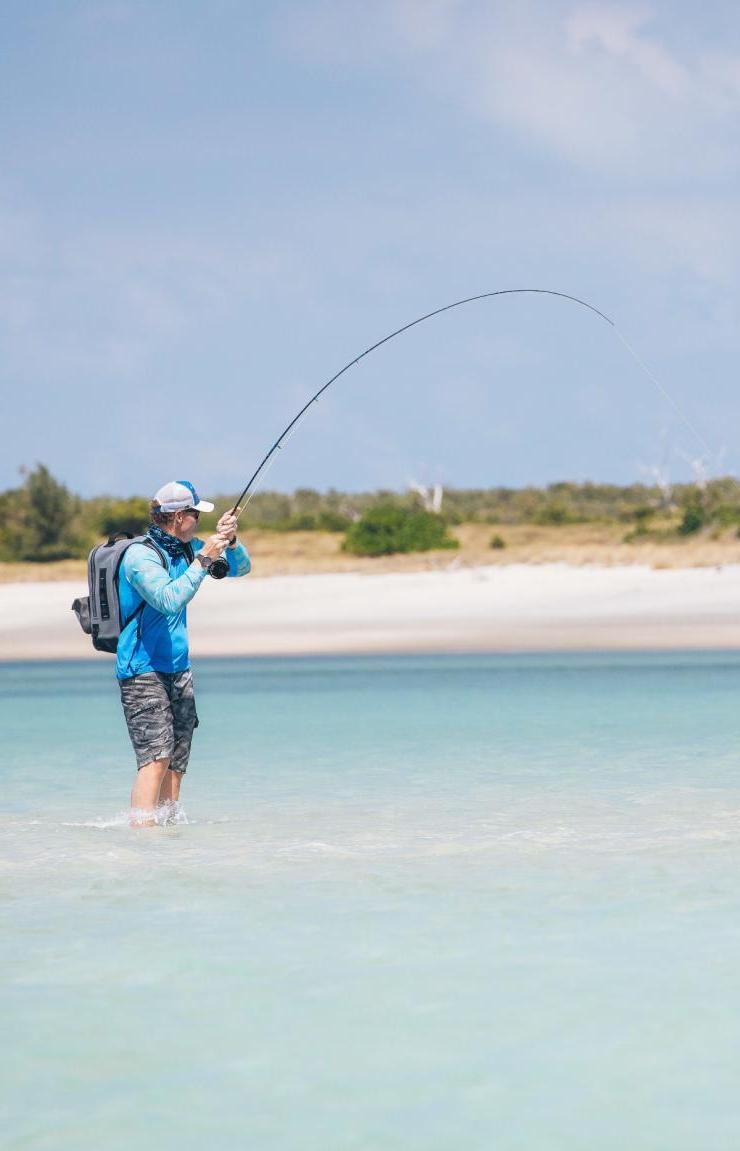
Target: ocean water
x: 440, y: 903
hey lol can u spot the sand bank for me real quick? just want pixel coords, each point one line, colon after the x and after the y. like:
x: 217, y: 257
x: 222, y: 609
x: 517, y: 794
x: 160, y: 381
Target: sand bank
x: 514, y: 608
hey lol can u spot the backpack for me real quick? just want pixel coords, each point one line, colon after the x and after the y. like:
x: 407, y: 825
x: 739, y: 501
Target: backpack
x: 99, y: 613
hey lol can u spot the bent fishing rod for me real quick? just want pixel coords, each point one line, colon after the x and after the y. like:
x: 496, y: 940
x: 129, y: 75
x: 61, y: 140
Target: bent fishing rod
x: 220, y: 567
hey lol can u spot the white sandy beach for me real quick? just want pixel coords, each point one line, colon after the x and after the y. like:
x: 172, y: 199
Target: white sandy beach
x: 515, y: 608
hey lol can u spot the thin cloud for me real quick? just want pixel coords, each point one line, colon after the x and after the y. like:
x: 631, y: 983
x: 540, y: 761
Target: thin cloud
x: 624, y: 34
x: 598, y: 86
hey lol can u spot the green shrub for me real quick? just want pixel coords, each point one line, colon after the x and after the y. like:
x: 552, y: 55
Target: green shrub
x: 725, y: 515
x: 556, y: 514
x: 302, y: 522
x: 498, y: 543
x: 123, y: 516
x: 642, y: 518
x: 386, y: 529
x: 42, y: 521
x: 694, y: 519
x: 331, y: 521
x: 327, y: 521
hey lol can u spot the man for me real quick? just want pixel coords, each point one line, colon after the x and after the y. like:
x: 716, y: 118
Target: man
x: 156, y: 583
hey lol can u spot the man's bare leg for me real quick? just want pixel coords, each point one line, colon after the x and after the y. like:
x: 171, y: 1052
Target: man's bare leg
x: 145, y: 794
x: 170, y: 789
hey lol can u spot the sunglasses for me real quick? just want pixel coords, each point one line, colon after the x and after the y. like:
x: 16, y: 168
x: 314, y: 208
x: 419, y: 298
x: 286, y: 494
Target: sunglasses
x: 192, y: 512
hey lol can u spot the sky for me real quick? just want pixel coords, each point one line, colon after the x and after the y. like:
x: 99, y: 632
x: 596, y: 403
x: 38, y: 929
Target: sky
x: 207, y: 209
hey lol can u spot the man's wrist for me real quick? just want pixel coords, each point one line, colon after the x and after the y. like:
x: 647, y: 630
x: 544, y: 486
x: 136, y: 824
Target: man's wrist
x: 205, y: 561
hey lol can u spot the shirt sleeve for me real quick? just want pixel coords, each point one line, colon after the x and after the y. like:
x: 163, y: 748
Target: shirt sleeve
x: 237, y: 558
x: 239, y: 562
x: 144, y: 571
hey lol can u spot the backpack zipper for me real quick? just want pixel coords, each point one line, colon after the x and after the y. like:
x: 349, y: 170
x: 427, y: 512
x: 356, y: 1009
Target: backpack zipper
x: 91, y: 583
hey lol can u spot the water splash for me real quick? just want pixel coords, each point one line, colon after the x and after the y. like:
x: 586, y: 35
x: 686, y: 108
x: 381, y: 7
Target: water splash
x: 167, y: 814
x: 170, y: 814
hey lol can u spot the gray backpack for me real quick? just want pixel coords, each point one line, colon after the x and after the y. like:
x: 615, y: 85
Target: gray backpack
x: 99, y: 613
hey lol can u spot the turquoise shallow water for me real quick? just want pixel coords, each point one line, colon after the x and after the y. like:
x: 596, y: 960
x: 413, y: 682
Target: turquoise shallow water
x: 439, y: 903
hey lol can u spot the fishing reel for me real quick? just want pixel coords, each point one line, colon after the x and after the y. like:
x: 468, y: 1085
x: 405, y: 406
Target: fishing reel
x: 219, y: 569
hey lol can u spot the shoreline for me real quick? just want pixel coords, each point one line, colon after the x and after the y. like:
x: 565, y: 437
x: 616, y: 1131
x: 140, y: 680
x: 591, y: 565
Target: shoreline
x: 512, y: 608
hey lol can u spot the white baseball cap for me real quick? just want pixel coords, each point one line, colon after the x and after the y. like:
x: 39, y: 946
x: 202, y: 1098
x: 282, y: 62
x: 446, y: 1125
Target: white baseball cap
x: 178, y: 496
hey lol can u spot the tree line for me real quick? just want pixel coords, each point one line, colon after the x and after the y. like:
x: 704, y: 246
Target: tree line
x: 42, y: 520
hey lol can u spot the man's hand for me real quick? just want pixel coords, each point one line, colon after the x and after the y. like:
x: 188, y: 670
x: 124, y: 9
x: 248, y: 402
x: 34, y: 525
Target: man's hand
x: 214, y: 546
x: 228, y: 524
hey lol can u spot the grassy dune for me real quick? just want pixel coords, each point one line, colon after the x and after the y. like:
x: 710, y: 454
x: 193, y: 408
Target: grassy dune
x: 297, y: 553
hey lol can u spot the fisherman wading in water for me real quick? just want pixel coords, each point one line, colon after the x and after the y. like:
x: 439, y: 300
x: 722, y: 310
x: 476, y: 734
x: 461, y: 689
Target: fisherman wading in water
x: 157, y: 580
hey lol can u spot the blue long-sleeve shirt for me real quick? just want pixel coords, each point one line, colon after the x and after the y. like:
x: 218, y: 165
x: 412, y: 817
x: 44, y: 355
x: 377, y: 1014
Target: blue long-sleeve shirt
x: 156, y: 639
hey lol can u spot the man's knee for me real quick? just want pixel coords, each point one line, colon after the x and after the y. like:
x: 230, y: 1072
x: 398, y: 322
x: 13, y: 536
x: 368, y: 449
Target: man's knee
x: 155, y: 767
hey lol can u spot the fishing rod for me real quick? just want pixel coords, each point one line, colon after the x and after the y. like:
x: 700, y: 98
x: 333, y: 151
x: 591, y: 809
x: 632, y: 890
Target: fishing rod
x: 220, y: 567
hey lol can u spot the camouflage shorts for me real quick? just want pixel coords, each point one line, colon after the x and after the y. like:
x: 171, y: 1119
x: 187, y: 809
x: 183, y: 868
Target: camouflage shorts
x: 160, y: 712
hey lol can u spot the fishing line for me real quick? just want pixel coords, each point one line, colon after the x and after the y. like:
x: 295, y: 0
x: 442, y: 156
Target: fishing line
x: 666, y: 395
x: 268, y: 460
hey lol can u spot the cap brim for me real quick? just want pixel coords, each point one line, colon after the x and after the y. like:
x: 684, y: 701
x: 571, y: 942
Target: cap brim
x: 203, y: 506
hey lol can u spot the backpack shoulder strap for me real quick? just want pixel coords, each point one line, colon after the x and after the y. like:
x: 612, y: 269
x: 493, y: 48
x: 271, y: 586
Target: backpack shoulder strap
x: 149, y: 543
